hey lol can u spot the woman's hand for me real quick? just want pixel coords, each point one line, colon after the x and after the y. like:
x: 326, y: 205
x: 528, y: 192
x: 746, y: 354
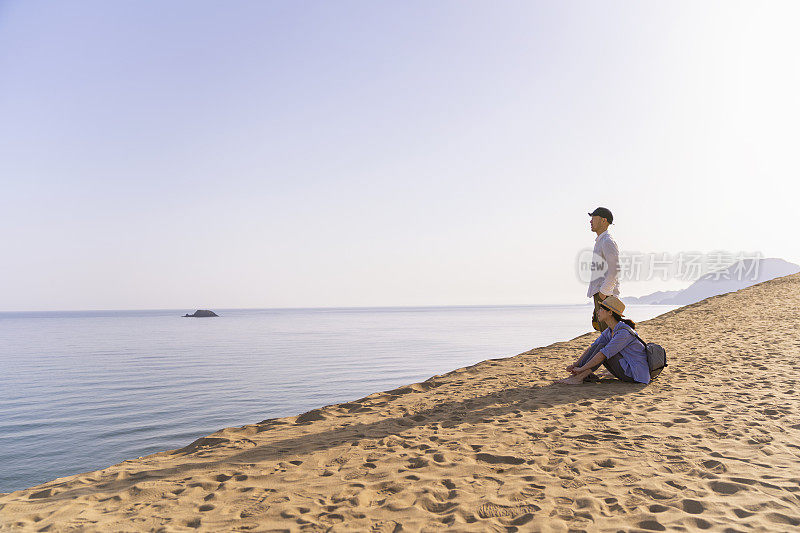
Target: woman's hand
x: 577, y: 369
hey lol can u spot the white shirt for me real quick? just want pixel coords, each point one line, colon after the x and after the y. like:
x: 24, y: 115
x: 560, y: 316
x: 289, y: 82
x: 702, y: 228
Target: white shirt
x: 605, y: 248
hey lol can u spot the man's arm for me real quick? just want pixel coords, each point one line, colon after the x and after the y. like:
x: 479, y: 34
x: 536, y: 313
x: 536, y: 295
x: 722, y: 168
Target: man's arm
x: 611, y: 256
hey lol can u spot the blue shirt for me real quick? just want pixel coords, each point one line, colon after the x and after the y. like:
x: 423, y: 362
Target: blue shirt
x: 621, y: 341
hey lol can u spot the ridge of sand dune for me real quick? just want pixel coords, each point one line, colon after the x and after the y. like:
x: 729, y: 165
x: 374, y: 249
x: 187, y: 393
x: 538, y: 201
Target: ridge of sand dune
x: 713, y: 444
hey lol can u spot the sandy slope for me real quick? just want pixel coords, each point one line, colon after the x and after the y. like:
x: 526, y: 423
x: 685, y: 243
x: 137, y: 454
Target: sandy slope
x: 713, y: 444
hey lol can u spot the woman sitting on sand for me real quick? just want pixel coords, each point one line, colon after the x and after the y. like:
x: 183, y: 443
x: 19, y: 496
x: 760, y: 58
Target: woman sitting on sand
x: 617, y: 348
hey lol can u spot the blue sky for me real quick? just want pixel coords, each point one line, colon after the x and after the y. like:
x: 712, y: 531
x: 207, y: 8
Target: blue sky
x: 271, y: 154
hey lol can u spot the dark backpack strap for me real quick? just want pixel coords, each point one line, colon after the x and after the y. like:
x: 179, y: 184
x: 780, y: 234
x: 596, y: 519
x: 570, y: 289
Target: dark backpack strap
x: 633, y: 332
x: 647, y: 349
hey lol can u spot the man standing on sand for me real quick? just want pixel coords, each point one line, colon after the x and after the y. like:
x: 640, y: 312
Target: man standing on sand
x: 605, y: 263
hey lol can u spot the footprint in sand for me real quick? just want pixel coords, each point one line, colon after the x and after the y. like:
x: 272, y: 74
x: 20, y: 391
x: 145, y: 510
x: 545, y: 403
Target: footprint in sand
x: 693, y: 506
x: 658, y: 508
x: 714, y: 466
x: 436, y: 507
x: 417, y: 462
x: 499, y: 459
x: 385, y: 527
x: 778, y: 518
x: 256, y: 505
x: 653, y: 494
x: 699, y: 523
x: 652, y: 525
x: 726, y: 488
x: 493, y: 510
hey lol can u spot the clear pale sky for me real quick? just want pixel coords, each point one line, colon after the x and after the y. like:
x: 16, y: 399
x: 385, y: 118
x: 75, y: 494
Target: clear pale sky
x: 198, y: 154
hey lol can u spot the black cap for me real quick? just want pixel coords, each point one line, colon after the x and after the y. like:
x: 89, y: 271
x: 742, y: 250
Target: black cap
x: 603, y: 212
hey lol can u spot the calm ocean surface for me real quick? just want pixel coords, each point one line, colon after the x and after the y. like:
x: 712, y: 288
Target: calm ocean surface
x: 80, y: 391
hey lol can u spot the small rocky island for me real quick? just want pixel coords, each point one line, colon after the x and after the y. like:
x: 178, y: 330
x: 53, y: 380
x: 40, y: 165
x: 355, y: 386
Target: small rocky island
x: 201, y: 313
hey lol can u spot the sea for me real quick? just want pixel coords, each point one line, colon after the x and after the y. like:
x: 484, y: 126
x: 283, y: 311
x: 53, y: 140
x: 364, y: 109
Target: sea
x: 82, y: 390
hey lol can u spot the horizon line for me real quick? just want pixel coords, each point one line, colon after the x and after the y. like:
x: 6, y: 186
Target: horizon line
x: 303, y: 308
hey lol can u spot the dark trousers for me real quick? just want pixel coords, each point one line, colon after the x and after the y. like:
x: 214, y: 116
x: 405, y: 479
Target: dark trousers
x: 611, y: 363
x: 596, y: 324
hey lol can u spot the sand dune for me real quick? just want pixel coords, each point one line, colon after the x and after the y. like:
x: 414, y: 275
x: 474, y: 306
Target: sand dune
x: 713, y: 444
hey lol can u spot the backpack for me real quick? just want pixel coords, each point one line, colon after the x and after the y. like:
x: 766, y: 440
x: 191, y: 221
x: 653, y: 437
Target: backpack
x: 656, y: 355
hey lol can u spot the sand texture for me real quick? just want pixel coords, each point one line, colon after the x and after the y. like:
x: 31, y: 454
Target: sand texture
x: 713, y: 444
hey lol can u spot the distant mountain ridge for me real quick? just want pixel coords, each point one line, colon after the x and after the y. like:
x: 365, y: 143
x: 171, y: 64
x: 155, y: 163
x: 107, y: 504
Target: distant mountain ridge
x: 720, y: 282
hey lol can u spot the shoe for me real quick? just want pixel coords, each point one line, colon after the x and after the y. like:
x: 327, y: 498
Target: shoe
x: 591, y: 378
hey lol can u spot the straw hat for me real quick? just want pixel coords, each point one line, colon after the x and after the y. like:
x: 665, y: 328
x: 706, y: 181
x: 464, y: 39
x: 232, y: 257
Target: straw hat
x: 614, y: 304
